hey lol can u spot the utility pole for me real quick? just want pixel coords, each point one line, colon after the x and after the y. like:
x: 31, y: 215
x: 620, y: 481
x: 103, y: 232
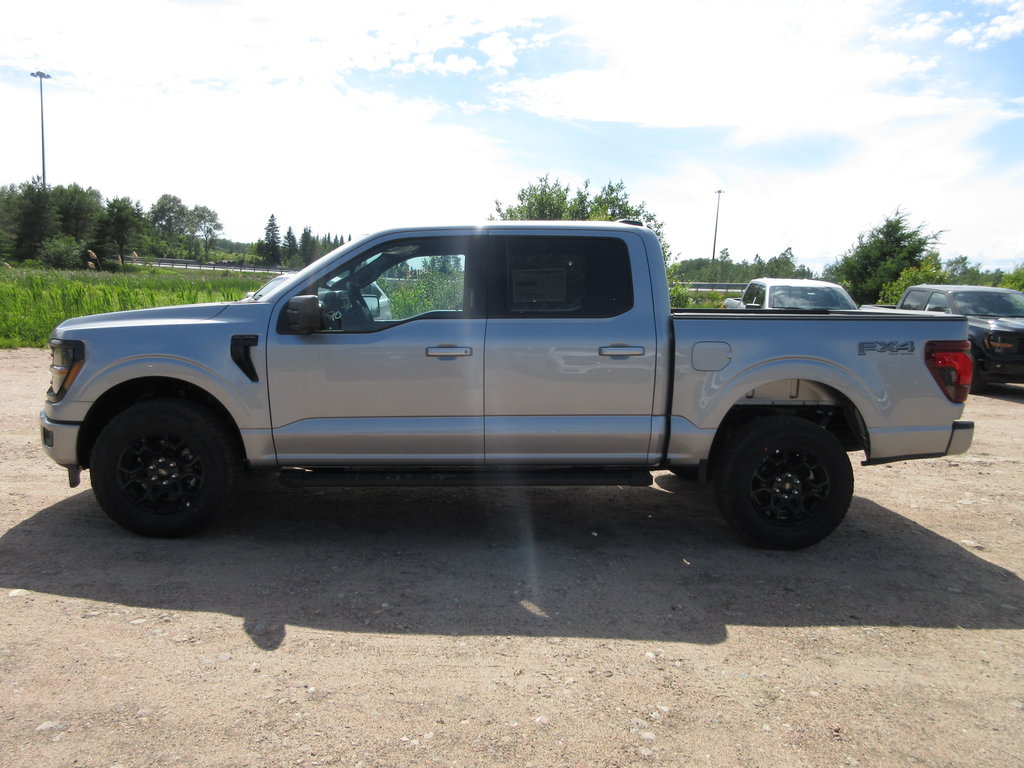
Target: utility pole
x: 714, y: 244
x: 42, y: 130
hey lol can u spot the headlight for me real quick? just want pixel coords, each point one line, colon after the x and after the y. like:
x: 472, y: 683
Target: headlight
x: 1005, y: 345
x: 66, y: 360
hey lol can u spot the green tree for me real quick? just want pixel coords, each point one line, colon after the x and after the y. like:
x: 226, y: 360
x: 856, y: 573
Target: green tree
x: 172, y: 226
x: 546, y: 200
x: 784, y: 265
x: 928, y: 271
x: 170, y: 217
x: 271, y: 251
x: 78, y: 210
x: 8, y: 220
x: 36, y: 219
x: 121, y: 221
x: 1014, y: 279
x: 880, y: 256
x: 961, y: 271
x: 309, y: 251
x: 290, y: 248
x: 207, y: 226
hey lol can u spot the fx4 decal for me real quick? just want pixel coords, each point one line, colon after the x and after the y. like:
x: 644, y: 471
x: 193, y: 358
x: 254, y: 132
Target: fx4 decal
x: 886, y: 347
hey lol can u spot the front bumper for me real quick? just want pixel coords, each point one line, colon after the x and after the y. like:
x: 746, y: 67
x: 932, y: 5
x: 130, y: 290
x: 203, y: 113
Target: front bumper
x: 1001, y: 370
x: 60, y: 441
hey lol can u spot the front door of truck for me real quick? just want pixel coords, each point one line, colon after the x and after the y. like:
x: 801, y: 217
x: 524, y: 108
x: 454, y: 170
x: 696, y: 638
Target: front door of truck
x: 394, y: 376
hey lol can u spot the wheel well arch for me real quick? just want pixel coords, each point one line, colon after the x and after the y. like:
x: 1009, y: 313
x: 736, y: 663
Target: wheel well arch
x: 128, y: 393
x: 812, y: 401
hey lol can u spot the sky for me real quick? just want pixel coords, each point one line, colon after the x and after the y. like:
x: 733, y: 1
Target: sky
x: 817, y: 118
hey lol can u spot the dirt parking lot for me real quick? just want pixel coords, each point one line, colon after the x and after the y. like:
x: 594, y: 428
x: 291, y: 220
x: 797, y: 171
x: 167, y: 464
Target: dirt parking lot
x: 514, y: 627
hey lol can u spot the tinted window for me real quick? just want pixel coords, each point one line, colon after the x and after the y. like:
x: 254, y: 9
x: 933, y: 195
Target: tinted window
x: 754, y: 294
x: 937, y: 302
x: 990, y: 304
x: 914, y: 300
x: 810, y: 297
x: 559, y: 277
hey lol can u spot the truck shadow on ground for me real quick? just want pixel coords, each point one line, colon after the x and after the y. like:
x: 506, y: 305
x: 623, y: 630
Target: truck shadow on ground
x: 651, y: 563
x: 1007, y: 393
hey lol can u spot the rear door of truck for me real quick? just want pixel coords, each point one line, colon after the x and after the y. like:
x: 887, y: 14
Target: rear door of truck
x: 570, y: 351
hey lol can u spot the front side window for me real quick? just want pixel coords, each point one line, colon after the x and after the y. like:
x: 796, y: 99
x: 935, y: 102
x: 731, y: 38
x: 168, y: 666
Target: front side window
x: 399, y: 281
x: 560, y: 277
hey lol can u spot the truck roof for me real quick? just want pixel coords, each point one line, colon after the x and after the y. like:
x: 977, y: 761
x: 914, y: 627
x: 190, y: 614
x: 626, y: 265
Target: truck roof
x: 942, y: 287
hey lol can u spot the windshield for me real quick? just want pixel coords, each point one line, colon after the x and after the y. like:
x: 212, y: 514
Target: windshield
x: 269, y: 287
x: 990, y: 304
x: 811, y: 297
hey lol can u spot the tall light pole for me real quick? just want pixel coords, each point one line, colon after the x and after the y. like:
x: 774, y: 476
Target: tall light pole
x: 42, y: 130
x: 714, y: 243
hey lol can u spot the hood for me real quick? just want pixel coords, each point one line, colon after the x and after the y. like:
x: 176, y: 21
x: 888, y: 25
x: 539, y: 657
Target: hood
x: 157, y: 316
x: 1011, y: 324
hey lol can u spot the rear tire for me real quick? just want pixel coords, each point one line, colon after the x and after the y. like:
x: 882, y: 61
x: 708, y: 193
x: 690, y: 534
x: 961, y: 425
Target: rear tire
x: 164, y: 467
x: 783, y: 482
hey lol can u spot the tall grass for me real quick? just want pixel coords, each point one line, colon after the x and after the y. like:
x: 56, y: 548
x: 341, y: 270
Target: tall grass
x: 34, y: 301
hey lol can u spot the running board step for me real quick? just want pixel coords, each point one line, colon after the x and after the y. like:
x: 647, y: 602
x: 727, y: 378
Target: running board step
x: 326, y: 478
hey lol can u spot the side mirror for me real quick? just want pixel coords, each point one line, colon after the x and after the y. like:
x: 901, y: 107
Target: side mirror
x: 301, y: 315
x: 372, y: 303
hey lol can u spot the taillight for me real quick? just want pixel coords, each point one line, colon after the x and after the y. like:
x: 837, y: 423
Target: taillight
x: 951, y: 366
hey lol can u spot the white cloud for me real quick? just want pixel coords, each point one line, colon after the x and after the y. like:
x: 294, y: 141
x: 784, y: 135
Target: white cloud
x: 501, y: 51
x: 255, y: 108
x: 995, y: 27
x: 924, y: 26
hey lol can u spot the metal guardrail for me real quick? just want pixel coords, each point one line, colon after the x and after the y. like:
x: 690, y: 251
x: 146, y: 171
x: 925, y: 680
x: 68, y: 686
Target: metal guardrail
x: 726, y: 287
x: 210, y: 266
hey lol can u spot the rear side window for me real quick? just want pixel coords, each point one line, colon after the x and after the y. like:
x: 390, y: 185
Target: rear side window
x: 559, y: 277
x: 937, y: 302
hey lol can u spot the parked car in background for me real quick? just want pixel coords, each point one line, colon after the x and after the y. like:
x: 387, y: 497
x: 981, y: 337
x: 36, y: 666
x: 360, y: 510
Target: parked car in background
x: 791, y: 293
x: 995, y: 326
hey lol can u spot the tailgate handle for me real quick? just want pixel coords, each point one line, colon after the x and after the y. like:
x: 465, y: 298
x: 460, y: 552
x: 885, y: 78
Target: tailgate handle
x: 621, y: 351
x: 449, y: 351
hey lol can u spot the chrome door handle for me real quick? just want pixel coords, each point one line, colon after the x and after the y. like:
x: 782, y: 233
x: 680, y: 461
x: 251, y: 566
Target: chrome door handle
x: 449, y: 351
x: 621, y: 351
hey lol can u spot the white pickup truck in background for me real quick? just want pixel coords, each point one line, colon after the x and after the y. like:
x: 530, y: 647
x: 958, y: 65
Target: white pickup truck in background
x: 791, y: 293
x: 511, y: 353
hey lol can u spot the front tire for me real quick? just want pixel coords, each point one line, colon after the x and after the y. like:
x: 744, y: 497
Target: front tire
x: 979, y: 385
x: 164, y: 467
x: 783, y: 482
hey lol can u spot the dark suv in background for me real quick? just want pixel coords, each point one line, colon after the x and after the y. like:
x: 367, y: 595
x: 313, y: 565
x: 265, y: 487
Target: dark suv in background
x: 995, y: 326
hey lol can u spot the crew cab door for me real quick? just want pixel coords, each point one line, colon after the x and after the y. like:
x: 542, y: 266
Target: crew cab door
x: 394, y: 375
x: 571, y: 351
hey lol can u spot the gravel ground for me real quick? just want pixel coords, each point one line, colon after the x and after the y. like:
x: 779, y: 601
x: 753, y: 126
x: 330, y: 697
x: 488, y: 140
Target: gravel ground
x: 514, y: 627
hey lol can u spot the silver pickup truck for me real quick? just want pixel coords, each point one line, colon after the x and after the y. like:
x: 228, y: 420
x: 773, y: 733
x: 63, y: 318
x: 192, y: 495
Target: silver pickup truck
x: 511, y: 353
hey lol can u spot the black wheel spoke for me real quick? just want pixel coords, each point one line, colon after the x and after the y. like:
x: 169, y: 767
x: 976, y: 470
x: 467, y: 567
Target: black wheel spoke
x: 161, y: 473
x: 789, y: 486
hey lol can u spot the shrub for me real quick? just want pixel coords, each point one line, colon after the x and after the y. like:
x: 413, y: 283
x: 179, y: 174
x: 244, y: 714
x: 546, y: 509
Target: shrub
x: 62, y: 252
